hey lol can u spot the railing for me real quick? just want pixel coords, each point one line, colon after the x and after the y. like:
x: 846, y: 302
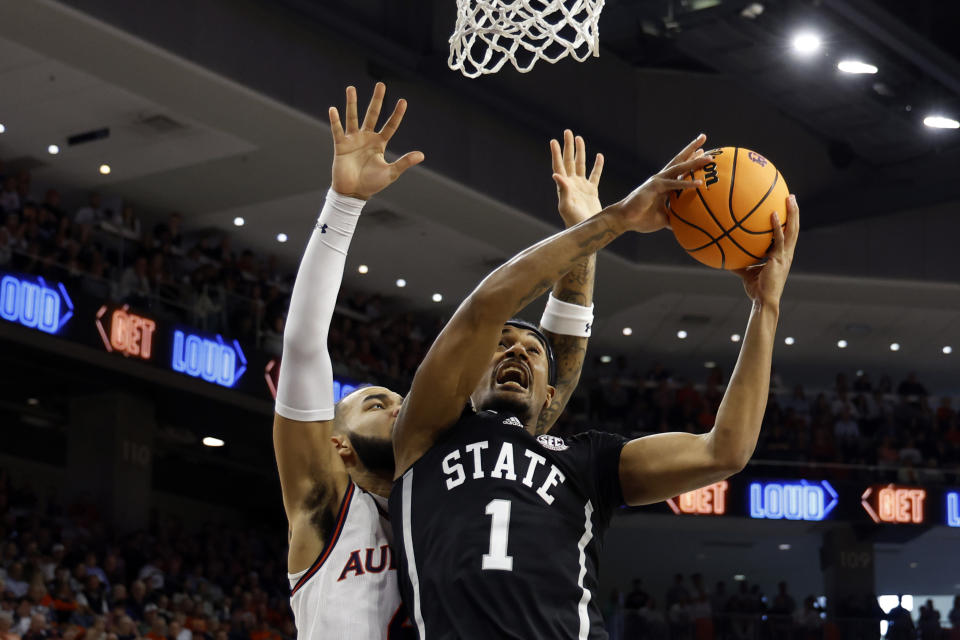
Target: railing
x: 626, y: 624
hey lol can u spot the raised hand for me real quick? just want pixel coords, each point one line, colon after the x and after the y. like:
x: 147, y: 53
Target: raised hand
x: 645, y: 209
x: 764, y: 283
x: 577, y: 195
x: 360, y: 169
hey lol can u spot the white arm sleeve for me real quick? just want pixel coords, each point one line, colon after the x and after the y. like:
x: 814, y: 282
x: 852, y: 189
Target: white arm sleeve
x: 305, y: 387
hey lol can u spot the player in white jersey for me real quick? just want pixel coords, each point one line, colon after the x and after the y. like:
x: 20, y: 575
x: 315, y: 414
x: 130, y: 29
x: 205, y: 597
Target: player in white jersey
x: 336, y: 461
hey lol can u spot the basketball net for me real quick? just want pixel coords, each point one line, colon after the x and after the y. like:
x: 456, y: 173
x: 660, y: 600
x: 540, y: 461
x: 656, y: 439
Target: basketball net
x: 488, y: 33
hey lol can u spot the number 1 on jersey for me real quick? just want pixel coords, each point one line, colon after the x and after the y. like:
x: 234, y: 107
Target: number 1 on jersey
x: 497, y: 559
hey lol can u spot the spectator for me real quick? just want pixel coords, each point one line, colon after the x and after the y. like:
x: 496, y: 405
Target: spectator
x: 38, y: 629
x: 901, y: 624
x: 677, y: 592
x: 9, y: 198
x: 929, y: 621
x: 6, y: 624
x: 92, y: 213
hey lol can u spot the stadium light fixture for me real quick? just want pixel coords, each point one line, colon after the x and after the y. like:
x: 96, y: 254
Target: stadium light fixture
x: 682, y: 334
x: 104, y: 169
x: 239, y: 221
x: 789, y: 340
x: 806, y: 43
x: 53, y: 149
x: 841, y: 344
x: 856, y: 67
x: 894, y: 346
x: 281, y: 237
x: 735, y: 337
x: 628, y: 331
x: 210, y: 441
x: 363, y: 268
x: 941, y: 122
x: 401, y: 283
x: 437, y: 297
x: 947, y: 350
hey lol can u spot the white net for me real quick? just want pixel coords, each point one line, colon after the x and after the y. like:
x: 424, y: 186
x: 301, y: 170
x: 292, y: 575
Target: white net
x: 491, y: 32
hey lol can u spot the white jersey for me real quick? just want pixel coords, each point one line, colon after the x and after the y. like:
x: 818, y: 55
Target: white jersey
x: 351, y: 591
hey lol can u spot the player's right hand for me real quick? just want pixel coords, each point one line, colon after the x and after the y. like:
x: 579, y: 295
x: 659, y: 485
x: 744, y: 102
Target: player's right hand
x: 645, y: 210
x: 578, y: 197
x: 360, y: 169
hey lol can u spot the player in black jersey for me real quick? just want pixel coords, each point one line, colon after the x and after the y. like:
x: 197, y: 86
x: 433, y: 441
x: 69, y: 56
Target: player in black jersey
x: 500, y: 529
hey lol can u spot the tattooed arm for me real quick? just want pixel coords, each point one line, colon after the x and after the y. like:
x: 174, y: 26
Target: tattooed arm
x: 578, y: 199
x: 462, y: 352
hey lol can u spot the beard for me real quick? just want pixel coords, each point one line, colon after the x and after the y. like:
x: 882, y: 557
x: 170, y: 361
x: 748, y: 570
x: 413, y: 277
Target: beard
x: 511, y: 403
x: 376, y: 454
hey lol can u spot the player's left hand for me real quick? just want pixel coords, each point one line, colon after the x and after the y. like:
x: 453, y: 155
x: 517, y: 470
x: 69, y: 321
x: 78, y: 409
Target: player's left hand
x: 577, y: 195
x: 764, y: 283
x: 360, y: 169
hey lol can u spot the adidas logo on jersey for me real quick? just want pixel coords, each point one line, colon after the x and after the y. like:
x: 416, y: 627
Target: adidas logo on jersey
x: 554, y: 443
x: 513, y: 420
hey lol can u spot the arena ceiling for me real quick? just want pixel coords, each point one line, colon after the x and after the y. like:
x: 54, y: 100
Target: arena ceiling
x: 246, y: 85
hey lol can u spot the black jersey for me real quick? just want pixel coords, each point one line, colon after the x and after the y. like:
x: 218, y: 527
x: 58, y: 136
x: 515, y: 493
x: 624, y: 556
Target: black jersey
x: 499, y: 532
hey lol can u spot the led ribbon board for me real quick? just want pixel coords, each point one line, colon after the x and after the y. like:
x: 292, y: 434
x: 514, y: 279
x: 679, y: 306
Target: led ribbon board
x: 209, y: 359
x: 791, y: 500
x: 130, y: 334
x: 705, y: 501
x: 894, y: 504
x: 35, y: 305
x: 953, y: 508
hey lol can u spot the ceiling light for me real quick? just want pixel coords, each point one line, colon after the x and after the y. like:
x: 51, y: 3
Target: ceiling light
x: 806, y: 43
x: 628, y: 331
x: 752, y: 11
x: 735, y: 337
x: 894, y: 346
x: 947, y: 350
x: 856, y: 67
x: 606, y: 359
x: 281, y: 237
x: 2, y: 128
x: 212, y: 442
x: 239, y: 221
x: 739, y: 577
x: 53, y: 149
x: 401, y: 282
x: 788, y: 340
x: 783, y: 547
x: 941, y: 122
x: 363, y: 268
x: 437, y: 297
x: 710, y: 364
x: 841, y: 344
x: 682, y: 334
x: 105, y: 169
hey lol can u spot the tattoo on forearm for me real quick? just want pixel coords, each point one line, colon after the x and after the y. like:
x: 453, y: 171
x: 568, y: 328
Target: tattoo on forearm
x: 571, y: 352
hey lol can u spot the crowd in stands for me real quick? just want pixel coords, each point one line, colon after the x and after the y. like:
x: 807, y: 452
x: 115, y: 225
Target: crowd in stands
x: 690, y: 611
x: 63, y: 575
x: 206, y: 283
x: 898, y: 429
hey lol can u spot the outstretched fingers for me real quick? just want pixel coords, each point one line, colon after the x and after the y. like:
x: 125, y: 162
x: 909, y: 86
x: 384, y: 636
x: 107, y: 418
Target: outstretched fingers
x: 581, y: 156
x: 393, y: 123
x: 335, y: 127
x: 687, y: 151
x: 597, y: 170
x: 682, y: 168
x: 352, y: 122
x: 556, y: 158
x: 793, y: 223
x: 373, y: 109
x: 406, y: 161
x: 569, y: 161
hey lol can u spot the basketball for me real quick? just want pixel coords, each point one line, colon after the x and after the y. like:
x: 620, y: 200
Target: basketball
x: 725, y: 224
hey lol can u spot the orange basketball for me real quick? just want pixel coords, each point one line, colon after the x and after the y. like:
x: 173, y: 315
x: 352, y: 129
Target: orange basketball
x: 725, y: 224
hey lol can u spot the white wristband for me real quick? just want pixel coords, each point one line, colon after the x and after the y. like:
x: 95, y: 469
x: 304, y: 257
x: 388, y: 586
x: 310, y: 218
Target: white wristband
x: 566, y: 319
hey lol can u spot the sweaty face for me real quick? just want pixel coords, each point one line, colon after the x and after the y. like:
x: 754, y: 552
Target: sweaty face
x: 517, y: 380
x: 368, y: 417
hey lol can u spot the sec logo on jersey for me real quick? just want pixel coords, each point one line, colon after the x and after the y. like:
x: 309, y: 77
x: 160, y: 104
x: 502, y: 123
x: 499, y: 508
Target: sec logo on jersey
x: 554, y: 443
